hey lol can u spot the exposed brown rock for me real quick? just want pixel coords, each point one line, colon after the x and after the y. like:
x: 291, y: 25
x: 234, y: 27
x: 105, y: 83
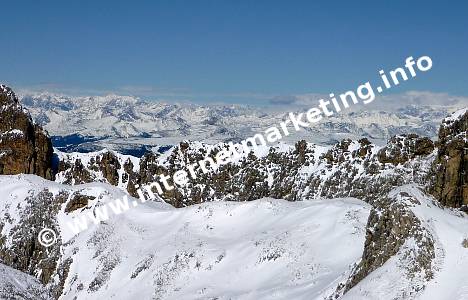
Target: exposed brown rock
x: 24, y: 146
x: 402, y: 148
x: 75, y: 172
x: 78, y: 201
x: 450, y: 169
x: 110, y: 166
x: 391, y: 223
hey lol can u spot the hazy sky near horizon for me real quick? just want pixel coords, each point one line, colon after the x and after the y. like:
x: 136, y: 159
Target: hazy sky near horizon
x: 229, y: 51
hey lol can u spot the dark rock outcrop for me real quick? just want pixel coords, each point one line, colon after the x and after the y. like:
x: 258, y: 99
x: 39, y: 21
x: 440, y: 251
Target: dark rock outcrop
x: 306, y: 171
x: 24, y: 146
x: 78, y: 201
x: 450, y: 168
x: 391, y: 225
x: 21, y: 249
x: 402, y: 148
x: 24, y: 252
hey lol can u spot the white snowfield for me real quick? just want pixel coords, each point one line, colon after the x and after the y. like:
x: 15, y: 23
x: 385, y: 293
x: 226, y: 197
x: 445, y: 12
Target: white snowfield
x: 264, y: 249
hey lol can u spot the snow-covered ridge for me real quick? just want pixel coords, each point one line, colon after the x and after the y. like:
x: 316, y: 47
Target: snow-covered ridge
x: 455, y: 116
x: 264, y: 249
x: 405, y: 275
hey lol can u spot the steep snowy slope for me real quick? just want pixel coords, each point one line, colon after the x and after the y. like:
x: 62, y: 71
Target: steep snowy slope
x: 269, y: 249
x: 399, y: 277
x: 16, y: 285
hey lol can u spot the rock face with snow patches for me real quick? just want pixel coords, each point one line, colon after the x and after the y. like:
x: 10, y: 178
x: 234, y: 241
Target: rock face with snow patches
x: 304, y: 171
x: 24, y: 146
x: 451, y: 165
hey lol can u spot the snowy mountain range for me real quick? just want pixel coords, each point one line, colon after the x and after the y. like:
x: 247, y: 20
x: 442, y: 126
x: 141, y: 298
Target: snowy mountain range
x: 360, y: 218
x: 133, y: 126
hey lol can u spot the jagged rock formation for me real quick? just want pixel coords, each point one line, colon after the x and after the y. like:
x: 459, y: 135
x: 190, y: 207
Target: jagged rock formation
x: 104, y: 166
x: 401, y: 149
x: 450, y: 170
x: 21, y: 249
x: 304, y: 171
x: 24, y: 146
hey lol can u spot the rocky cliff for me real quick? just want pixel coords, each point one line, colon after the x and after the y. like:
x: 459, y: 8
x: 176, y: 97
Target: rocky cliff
x: 450, y: 169
x: 24, y: 146
x: 303, y: 171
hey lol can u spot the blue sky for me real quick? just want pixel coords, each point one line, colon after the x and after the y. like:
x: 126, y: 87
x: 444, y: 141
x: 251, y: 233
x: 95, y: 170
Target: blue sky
x: 229, y: 51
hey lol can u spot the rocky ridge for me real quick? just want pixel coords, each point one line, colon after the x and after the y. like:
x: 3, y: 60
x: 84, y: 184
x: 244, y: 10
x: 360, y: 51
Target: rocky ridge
x: 300, y: 172
x: 394, y: 230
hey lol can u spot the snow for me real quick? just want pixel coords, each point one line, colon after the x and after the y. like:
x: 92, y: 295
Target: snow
x: 13, y: 132
x: 264, y: 249
x: 121, y: 121
x: 450, y: 228
x: 450, y: 282
x: 267, y: 248
x: 17, y: 285
x: 456, y: 115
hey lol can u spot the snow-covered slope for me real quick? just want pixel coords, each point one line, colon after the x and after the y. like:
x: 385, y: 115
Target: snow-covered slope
x: 264, y: 249
x: 268, y: 249
x: 396, y: 279
x: 16, y: 285
x: 253, y: 250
